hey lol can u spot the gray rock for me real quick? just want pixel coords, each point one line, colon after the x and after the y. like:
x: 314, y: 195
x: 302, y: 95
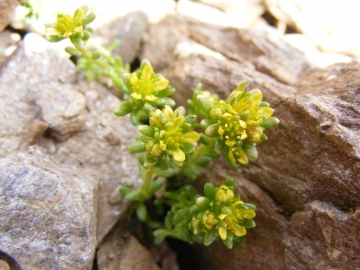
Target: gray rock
x: 128, y: 30
x: 330, y: 25
x: 48, y: 213
x: 78, y: 118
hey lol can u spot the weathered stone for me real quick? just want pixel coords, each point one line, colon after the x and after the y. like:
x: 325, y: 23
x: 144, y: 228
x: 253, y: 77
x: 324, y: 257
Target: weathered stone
x: 46, y: 92
x: 8, y: 44
x: 128, y: 30
x: 305, y: 178
x: 48, y: 213
x: 234, y: 13
x: 121, y: 250
x: 330, y: 25
x: 262, y: 48
x: 7, y: 8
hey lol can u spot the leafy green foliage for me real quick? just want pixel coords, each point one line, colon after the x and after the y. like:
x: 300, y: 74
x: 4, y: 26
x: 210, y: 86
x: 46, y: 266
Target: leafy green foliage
x: 170, y: 145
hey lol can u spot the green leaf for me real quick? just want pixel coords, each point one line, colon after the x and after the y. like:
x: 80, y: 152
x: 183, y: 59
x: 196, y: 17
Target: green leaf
x: 168, y: 91
x: 123, y: 108
x: 270, y: 122
x: 191, y: 192
x: 85, y: 35
x: 95, y: 55
x: 228, y: 243
x: 205, y: 140
x: 53, y: 38
x: 230, y: 182
x: 160, y: 235
x: 248, y: 223
x: 250, y: 150
x: 202, y: 202
x: 89, y: 18
x: 190, y: 119
x: 137, y: 147
x: 185, y: 128
x: 204, y: 104
x: 212, y: 130
x: 125, y: 190
x: 188, y: 148
x: 184, y: 213
x: 209, y: 238
x: 210, y: 190
x: 149, y: 161
x: 167, y: 173
x: 264, y: 104
x: 155, y: 186
x: 147, y: 130
x: 71, y: 50
x: 119, y: 84
x: 134, y: 195
x: 250, y: 206
x: 77, y: 41
x: 113, y: 46
x: 141, y: 212
x: 195, y: 210
x: 162, y: 165
x: 203, y: 161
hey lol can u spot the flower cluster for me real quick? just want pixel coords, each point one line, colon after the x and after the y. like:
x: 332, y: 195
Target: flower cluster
x: 219, y: 215
x: 146, y: 90
x: 168, y: 135
x: 71, y: 27
x: 237, y: 123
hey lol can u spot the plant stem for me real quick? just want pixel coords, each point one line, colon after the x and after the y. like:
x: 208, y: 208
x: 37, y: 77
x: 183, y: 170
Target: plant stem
x: 147, y: 179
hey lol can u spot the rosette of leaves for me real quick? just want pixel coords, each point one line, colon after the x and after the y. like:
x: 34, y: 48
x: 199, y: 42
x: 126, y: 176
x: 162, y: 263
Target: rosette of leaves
x: 71, y: 27
x: 219, y: 215
x: 169, y: 137
x: 238, y: 123
x: 146, y: 91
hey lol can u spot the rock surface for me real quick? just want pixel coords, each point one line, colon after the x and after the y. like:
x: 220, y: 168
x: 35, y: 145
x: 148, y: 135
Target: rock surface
x: 317, y: 21
x: 121, y: 250
x: 77, y: 119
x: 305, y: 179
x: 48, y: 213
x: 7, y: 8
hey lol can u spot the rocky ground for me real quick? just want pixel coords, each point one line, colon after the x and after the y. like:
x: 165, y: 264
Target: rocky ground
x: 63, y: 153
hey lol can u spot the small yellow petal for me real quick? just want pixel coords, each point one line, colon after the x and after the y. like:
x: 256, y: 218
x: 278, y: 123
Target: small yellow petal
x: 230, y: 109
x: 147, y: 72
x: 228, y: 116
x: 242, y: 123
x: 230, y: 143
x: 162, y: 145
x: 221, y: 131
x: 169, y: 113
x: 161, y: 84
x: 178, y: 155
x: 190, y: 137
x: 136, y: 96
x: 178, y: 121
x: 156, y: 150
x: 133, y: 78
x: 222, y: 232
x: 151, y: 98
x: 221, y: 216
x: 239, y: 231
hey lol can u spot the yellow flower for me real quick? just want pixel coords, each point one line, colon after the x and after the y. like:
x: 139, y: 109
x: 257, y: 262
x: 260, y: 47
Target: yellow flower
x: 208, y: 219
x: 169, y: 136
x: 146, y: 84
x: 224, y: 194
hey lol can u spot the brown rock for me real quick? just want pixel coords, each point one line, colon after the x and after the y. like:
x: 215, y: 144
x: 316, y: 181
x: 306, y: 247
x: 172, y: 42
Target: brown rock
x: 7, y: 8
x: 304, y: 182
x: 262, y: 48
x: 121, y: 250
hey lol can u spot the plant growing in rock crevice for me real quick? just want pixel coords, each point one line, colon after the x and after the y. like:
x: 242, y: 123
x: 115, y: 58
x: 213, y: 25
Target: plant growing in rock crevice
x: 171, y: 146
